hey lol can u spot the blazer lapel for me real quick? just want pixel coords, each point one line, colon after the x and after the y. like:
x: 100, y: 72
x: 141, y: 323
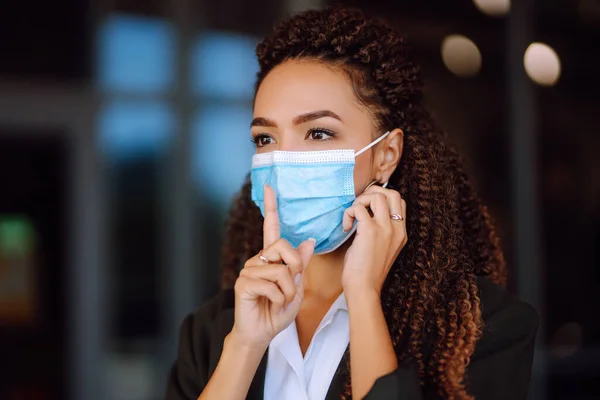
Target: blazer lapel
x: 337, y: 383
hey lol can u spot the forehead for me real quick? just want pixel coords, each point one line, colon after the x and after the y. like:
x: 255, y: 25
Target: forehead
x: 296, y: 87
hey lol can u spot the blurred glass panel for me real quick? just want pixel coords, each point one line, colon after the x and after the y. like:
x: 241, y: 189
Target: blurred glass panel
x: 222, y: 150
x: 136, y: 54
x: 224, y: 65
x: 130, y: 129
x: 137, y: 247
x: 135, y: 136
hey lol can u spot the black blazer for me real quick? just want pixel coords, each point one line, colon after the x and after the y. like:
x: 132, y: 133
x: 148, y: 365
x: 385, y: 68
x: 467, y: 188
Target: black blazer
x: 500, y: 367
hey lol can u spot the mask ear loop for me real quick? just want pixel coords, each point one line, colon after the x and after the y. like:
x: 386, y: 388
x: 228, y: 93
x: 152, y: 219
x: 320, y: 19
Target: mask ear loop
x: 383, y: 185
x: 373, y: 143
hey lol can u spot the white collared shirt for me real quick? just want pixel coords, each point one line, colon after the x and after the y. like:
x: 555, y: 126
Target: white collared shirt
x: 290, y: 376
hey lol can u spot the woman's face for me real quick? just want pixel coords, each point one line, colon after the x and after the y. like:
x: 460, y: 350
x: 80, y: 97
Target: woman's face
x: 306, y: 106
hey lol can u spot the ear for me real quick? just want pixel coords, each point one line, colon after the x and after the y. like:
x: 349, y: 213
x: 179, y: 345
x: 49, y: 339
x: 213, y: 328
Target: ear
x: 389, y: 152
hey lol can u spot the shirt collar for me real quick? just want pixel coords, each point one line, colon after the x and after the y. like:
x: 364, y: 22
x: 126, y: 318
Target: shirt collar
x: 340, y: 303
x: 290, y: 334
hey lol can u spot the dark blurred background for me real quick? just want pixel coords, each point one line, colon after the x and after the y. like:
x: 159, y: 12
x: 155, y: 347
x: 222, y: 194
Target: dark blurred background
x: 124, y: 135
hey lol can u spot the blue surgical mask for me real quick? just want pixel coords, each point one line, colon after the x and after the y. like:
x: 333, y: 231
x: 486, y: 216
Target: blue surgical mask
x: 313, y: 190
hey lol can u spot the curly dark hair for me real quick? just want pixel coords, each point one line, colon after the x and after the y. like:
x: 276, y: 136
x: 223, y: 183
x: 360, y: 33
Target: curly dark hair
x: 430, y: 297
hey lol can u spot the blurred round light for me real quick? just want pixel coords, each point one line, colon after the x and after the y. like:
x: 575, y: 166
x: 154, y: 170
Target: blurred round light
x: 542, y: 64
x: 461, y: 56
x: 494, y: 8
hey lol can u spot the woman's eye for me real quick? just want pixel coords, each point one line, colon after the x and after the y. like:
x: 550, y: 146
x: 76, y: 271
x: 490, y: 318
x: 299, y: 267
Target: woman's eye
x: 262, y: 140
x: 320, y: 134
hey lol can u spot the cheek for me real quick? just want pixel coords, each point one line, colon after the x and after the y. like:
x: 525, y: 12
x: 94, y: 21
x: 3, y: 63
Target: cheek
x: 362, y: 174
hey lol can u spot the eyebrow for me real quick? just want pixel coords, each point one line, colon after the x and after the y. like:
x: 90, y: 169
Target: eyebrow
x: 300, y: 119
x: 265, y: 122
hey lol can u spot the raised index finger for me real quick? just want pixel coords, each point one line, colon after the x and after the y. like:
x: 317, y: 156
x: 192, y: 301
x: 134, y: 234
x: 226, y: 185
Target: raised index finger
x: 271, y: 223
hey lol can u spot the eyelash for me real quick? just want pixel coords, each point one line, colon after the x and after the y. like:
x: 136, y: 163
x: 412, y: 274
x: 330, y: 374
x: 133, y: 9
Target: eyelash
x: 328, y: 132
x: 256, y: 139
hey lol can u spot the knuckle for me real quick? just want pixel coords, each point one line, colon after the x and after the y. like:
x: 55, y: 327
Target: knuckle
x: 283, y: 244
x: 281, y: 271
x: 247, y: 264
x: 292, y: 294
x: 239, y: 284
x: 380, y: 198
x: 295, y: 269
x: 278, y: 297
x: 295, y: 258
x: 402, y: 239
x: 359, y: 199
x: 290, y: 291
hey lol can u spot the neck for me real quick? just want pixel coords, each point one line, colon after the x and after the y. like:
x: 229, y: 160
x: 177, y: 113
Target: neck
x: 323, y: 275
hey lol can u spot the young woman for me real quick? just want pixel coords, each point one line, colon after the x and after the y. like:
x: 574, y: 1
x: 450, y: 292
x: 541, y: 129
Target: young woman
x: 364, y: 264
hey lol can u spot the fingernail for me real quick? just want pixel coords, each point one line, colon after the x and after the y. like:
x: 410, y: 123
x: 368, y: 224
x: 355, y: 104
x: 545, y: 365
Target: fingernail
x: 313, y: 240
x: 297, y: 278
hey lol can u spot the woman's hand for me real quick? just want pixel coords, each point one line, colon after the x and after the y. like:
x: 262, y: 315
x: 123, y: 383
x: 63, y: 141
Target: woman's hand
x: 378, y: 241
x: 270, y: 288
